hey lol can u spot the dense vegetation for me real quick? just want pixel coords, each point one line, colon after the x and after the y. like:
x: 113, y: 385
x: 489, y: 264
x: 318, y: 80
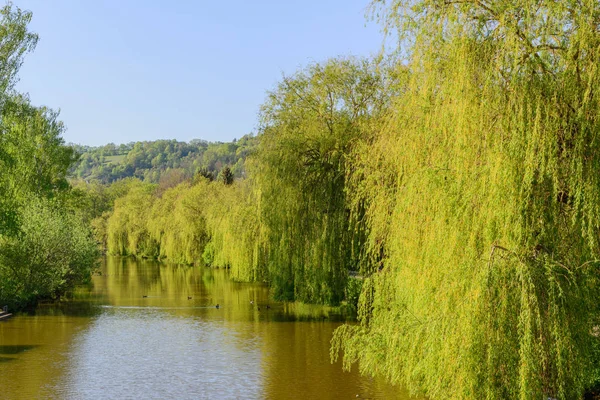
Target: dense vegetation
x: 166, y: 160
x: 459, y: 175
x: 45, y: 244
x: 490, y: 219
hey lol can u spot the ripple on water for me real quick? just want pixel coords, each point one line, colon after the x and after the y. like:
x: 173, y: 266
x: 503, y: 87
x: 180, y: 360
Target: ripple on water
x: 127, y: 352
x: 136, y: 334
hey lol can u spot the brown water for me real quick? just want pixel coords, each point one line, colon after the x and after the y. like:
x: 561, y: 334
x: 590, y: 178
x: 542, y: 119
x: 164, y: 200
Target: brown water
x: 111, y: 342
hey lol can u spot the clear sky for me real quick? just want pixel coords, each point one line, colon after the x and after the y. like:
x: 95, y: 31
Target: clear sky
x: 129, y: 70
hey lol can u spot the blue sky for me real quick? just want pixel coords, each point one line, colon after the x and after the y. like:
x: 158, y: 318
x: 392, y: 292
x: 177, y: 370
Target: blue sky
x: 129, y: 70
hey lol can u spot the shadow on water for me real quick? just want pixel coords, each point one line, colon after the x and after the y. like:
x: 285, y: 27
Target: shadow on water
x: 6, y: 359
x: 15, y: 349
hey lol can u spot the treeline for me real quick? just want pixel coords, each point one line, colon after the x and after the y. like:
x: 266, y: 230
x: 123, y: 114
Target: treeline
x: 161, y: 159
x: 481, y: 193
x: 459, y: 176
x: 288, y: 222
x: 46, y: 246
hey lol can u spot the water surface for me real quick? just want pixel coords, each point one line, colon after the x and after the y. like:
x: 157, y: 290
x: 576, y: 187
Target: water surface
x: 149, y: 330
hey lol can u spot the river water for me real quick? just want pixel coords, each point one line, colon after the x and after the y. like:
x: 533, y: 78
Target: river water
x: 146, y: 330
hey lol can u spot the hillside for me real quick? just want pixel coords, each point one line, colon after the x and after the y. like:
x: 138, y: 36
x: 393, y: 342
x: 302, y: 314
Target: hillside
x: 151, y: 160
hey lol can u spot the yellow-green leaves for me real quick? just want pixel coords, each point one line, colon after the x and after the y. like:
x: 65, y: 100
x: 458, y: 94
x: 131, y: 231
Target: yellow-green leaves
x: 311, y: 124
x: 482, y: 193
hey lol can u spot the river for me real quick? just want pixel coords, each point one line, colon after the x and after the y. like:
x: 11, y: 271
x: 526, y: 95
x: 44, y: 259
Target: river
x: 150, y: 330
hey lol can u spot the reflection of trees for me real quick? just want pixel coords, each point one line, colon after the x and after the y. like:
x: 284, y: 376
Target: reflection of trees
x: 296, y: 365
x: 125, y: 282
x: 293, y: 339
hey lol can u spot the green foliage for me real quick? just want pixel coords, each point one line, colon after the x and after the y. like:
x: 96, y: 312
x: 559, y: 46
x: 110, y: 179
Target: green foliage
x: 310, y: 124
x: 35, y: 161
x: 482, y: 200
x: 16, y: 42
x: 352, y: 293
x: 126, y: 228
x: 236, y: 235
x: 208, y: 255
x: 226, y: 176
x: 52, y: 251
x: 205, y: 173
x: 595, y: 373
x: 167, y: 162
x: 205, y: 221
x: 45, y: 246
x: 177, y: 224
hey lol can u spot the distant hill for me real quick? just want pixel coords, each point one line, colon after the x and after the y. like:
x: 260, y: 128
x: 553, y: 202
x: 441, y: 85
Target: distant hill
x: 166, y: 159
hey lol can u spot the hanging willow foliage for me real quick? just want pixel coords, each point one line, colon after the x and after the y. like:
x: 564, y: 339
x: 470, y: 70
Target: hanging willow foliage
x: 187, y: 222
x: 177, y: 224
x: 127, y: 226
x: 488, y: 230
x: 233, y: 220
x: 309, y: 126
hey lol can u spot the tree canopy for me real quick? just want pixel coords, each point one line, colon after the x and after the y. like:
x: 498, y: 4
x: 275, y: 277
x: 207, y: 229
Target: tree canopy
x: 489, y: 223
x: 45, y: 246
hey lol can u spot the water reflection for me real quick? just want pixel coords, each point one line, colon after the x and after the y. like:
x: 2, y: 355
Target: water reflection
x: 149, y: 330
x: 159, y: 355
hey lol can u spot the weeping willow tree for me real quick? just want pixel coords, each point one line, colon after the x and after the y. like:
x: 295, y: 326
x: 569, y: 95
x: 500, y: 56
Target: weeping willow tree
x: 309, y: 126
x: 127, y: 226
x: 236, y: 235
x: 178, y: 224
x: 214, y: 222
x: 482, y: 196
x: 150, y: 223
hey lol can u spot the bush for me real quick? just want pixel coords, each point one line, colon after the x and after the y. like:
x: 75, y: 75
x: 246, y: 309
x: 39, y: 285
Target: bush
x: 52, y: 252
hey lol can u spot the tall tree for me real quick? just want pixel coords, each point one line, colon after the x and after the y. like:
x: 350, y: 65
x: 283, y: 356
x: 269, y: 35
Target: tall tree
x: 44, y: 246
x: 35, y: 160
x: 310, y: 124
x: 15, y: 42
x: 490, y: 222
x: 226, y: 176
